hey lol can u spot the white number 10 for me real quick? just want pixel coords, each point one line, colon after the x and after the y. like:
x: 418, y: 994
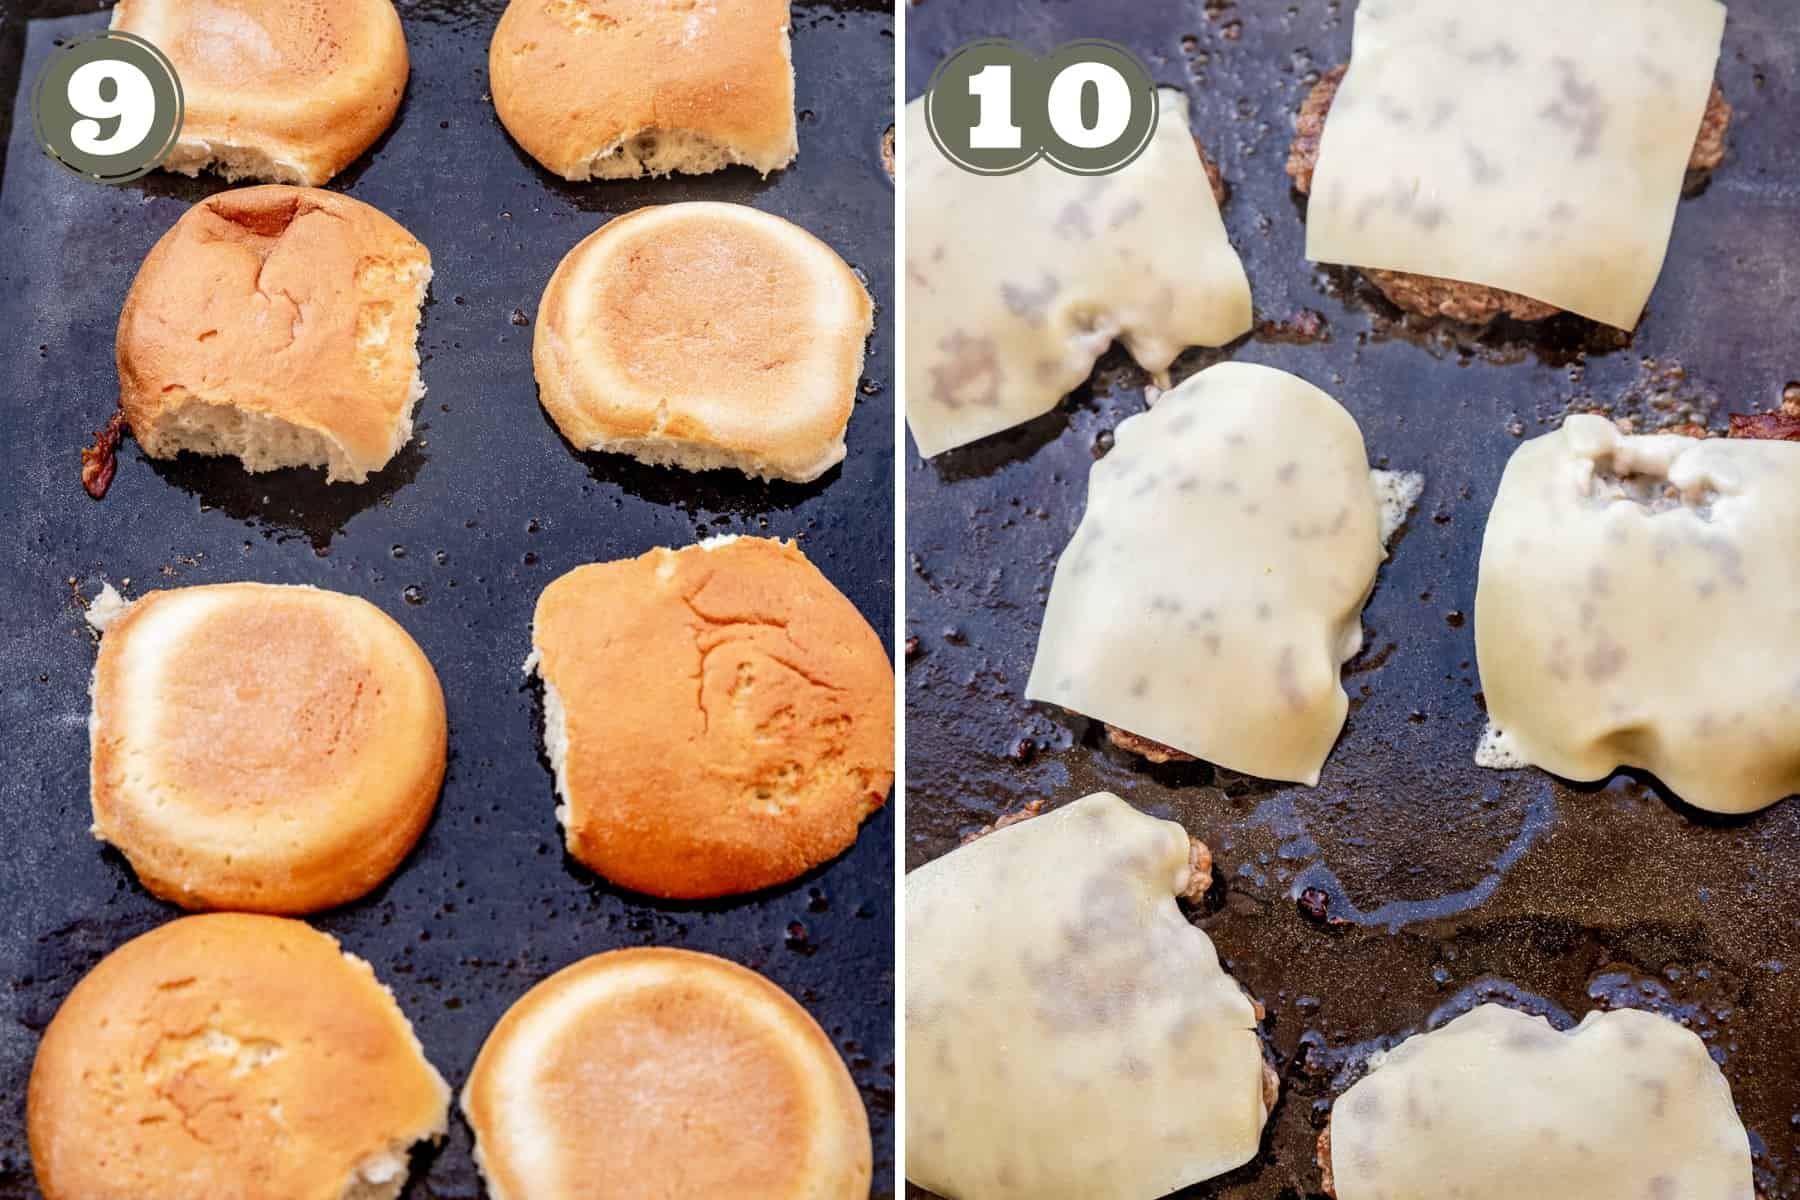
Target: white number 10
x: 992, y: 88
x: 133, y: 103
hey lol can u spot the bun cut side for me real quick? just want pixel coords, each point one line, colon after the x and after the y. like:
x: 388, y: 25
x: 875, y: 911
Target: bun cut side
x: 664, y: 1073
x: 704, y: 335
x: 261, y: 748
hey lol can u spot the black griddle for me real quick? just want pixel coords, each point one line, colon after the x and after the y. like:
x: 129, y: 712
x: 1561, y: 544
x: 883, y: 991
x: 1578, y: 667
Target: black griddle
x: 455, y: 539
x: 1454, y: 884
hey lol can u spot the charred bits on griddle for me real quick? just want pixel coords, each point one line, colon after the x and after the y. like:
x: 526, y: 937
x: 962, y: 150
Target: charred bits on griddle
x: 101, y: 460
x: 1315, y: 904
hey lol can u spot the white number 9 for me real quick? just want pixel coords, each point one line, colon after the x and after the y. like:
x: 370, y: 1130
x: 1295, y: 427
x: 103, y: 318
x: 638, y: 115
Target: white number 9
x: 133, y: 105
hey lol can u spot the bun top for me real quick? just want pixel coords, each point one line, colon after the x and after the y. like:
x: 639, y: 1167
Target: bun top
x: 708, y: 1080
x: 574, y: 79
x: 311, y: 82
x: 729, y: 716
x: 288, y: 302
x: 227, y: 1055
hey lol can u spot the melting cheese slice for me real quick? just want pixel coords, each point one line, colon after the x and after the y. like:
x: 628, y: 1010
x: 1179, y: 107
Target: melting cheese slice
x: 1216, y: 583
x: 1533, y: 145
x: 1497, y: 1105
x: 1069, y: 1035
x: 1639, y: 605
x: 1015, y: 284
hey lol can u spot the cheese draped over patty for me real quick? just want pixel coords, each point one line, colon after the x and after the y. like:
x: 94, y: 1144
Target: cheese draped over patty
x: 1639, y: 606
x: 1537, y: 145
x: 1215, y: 586
x: 1069, y: 1035
x: 1497, y: 1105
x: 1016, y: 284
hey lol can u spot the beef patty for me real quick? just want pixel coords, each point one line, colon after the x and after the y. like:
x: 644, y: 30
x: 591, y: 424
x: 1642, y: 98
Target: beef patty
x: 1473, y: 303
x: 1782, y: 424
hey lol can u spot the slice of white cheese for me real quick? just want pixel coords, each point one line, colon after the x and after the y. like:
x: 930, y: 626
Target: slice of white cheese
x: 1639, y: 605
x: 1069, y: 1035
x: 1215, y: 586
x: 1497, y: 1105
x: 1015, y: 284
x: 1533, y: 145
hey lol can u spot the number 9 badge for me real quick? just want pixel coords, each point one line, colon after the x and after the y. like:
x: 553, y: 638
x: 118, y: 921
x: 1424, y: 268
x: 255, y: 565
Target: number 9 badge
x: 1088, y: 107
x: 107, y: 106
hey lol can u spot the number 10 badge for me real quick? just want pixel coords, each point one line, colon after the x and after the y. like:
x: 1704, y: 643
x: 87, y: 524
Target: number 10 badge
x: 107, y: 106
x: 1088, y: 107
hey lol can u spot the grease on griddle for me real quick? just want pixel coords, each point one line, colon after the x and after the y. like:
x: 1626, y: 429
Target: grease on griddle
x: 1663, y: 398
x: 101, y: 460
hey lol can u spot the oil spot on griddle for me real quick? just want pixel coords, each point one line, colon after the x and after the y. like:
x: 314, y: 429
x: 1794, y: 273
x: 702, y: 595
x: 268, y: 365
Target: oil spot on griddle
x: 718, y: 497
x: 293, y: 501
x: 799, y: 941
x: 1661, y: 394
x: 1396, y: 913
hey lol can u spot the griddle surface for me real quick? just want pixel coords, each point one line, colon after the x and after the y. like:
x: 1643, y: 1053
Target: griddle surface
x: 455, y: 540
x: 1459, y: 884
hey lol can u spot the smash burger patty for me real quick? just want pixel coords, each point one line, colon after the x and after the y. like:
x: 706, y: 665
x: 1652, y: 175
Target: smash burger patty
x: 1780, y: 424
x: 1428, y: 295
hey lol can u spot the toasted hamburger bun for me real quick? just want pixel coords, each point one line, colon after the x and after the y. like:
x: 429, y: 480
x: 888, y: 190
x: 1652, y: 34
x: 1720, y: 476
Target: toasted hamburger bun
x: 291, y: 91
x: 269, y: 749
x: 619, y: 91
x: 649, y: 1073
x: 719, y: 718
x: 230, y: 1056
x: 278, y: 325
x: 704, y: 335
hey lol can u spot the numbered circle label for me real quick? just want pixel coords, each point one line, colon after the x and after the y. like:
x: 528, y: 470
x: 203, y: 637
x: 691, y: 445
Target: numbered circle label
x: 993, y: 107
x: 108, y: 106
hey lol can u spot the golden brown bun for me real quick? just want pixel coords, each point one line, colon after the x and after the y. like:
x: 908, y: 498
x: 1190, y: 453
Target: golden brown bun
x: 720, y: 718
x: 291, y: 91
x: 269, y: 749
x: 646, y: 1074
x: 704, y: 335
x: 597, y: 89
x: 230, y: 1056
x: 276, y: 324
